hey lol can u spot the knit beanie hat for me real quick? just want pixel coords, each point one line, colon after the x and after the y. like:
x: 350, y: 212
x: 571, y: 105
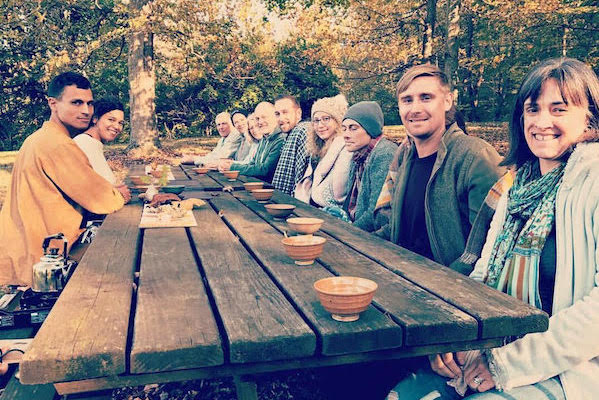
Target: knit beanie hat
x: 369, y: 115
x: 334, y: 106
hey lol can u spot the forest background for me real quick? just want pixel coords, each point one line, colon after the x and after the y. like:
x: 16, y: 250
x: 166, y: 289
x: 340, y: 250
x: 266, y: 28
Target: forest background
x: 177, y: 63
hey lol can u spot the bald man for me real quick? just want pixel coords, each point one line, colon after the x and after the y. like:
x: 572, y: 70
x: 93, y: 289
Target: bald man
x: 225, y: 148
x: 265, y: 161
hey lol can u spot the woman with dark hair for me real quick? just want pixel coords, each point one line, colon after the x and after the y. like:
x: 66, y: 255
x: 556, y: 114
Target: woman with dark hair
x: 542, y: 247
x: 106, y: 124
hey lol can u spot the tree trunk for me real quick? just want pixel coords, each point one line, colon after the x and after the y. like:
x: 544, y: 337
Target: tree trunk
x: 142, y: 85
x: 429, y: 30
x: 452, y: 44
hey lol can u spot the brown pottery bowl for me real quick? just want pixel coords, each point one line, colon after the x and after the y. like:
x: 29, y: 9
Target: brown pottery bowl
x: 253, y: 185
x: 262, y: 195
x: 304, y: 249
x: 345, y: 297
x: 279, y: 210
x: 305, y: 225
x: 200, y: 170
x: 231, y: 175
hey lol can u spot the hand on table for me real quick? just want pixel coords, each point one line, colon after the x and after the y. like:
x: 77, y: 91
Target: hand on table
x: 224, y: 165
x: 124, y: 190
x: 187, y: 159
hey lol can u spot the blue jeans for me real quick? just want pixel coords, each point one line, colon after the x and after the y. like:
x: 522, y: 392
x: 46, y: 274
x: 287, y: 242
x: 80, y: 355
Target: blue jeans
x: 427, y: 385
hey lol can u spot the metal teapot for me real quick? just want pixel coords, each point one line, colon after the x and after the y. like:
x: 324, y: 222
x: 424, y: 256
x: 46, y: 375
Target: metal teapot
x: 51, y: 272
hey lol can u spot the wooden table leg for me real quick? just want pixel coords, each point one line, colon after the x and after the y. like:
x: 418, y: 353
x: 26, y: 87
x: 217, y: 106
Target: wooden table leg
x: 245, y: 388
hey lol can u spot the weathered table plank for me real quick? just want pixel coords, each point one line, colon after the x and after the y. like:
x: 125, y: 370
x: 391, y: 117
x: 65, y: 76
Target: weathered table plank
x: 425, y: 318
x: 373, y: 331
x: 498, y: 313
x: 85, y: 334
x: 224, y: 181
x: 260, y: 323
x: 174, y: 326
x: 228, y: 370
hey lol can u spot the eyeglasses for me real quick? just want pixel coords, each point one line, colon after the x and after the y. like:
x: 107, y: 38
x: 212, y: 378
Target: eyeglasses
x: 325, y: 120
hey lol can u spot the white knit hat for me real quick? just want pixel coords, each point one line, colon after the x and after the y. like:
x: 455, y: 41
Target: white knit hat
x: 334, y: 106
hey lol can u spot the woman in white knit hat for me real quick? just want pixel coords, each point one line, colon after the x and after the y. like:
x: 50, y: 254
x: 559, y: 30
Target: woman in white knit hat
x: 328, y: 157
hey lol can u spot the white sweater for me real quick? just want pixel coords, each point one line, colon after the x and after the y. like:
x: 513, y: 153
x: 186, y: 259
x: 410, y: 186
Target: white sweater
x: 570, y: 347
x: 94, y: 150
x: 327, y: 185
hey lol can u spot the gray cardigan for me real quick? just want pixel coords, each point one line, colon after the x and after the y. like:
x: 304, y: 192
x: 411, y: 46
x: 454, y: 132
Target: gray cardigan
x: 375, y: 172
x: 465, y: 169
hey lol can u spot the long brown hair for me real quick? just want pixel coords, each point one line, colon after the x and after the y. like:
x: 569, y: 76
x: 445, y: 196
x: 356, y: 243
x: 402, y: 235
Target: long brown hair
x: 578, y: 85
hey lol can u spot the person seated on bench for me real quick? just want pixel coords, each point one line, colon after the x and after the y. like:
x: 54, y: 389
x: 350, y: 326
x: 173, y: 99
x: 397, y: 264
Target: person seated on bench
x: 542, y: 248
x: 226, y: 147
x: 52, y: 182
x: 371, y: 155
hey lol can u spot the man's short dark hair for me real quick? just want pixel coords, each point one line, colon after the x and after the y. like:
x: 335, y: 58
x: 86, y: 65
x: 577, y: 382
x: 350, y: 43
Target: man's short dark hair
x: 288, y: 97
x: 57, y: 85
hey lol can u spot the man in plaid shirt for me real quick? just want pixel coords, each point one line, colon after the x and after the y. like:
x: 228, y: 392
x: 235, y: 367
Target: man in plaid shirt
x: 294, y: 158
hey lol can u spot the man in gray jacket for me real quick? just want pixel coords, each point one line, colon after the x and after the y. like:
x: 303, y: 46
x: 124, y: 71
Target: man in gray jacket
x: 226, y: 147
x: 439, y: 176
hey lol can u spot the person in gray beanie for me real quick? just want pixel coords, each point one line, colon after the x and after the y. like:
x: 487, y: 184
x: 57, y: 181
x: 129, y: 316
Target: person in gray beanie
x: 362, y: 129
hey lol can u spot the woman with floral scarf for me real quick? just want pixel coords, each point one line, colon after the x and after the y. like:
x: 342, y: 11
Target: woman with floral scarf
x: 542, y: 247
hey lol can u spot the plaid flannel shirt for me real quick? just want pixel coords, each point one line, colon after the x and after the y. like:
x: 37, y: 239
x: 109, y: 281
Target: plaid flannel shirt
x: 293, y: 160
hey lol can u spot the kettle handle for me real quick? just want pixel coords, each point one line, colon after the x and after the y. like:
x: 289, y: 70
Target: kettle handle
x: 48, y: 239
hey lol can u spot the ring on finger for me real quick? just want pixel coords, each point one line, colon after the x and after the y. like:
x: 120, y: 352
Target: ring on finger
x: 476, y: 380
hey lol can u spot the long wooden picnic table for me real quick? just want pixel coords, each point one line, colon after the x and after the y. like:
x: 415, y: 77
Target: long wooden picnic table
x: 224, y: 299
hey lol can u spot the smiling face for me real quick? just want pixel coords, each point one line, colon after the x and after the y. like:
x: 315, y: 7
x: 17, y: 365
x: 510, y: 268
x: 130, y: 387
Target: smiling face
x: 354, y: 135
x: 223, y: 125
x: 325, y: 126
x: 240, y: 123
x: 551, y: 125
x: 422, y: 108
x: 73, y: 108
x: 110, y: 125
x: 266, y: 121
x: 288, y: 114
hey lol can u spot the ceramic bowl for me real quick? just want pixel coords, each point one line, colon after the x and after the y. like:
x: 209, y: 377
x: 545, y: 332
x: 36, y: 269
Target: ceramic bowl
x: 345, y: 297
x: 304, y: 225
x: 262, y: 195
x: 253, y: 185
x: 279, y: 210
x: 304, y: 249
x: 200, y: 170
x: 231, y: 175
x: 138, y: 180
x: 176, y: 189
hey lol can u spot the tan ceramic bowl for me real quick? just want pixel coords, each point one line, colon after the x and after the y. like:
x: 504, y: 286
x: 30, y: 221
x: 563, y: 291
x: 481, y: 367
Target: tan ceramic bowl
x: 304, y: 249
x: 138, y: 180
x: 231, y: 175
x: 200, y: 170
x: 279, y: 210
x: 262, y: 195
x: 253, y: 185
x: 345, y: 297
x: 305, y: 225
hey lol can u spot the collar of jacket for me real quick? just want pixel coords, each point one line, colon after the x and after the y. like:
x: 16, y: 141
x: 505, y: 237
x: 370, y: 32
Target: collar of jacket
x: 273, y: 134
x: 56, y: 127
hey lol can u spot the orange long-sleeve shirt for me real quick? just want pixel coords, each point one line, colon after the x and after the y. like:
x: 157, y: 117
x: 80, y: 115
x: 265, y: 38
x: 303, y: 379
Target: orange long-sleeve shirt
x: 51, y: 181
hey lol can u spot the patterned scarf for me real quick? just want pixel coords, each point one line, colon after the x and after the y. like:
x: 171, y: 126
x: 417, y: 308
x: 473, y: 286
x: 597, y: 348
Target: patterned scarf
x: 359, y: 160
x: 514, y: 261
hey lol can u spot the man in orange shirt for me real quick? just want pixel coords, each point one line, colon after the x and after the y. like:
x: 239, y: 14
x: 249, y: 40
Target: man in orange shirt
x: 52, y: 182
